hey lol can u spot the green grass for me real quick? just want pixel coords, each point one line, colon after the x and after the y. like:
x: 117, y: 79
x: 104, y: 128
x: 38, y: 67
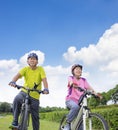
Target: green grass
x: 44, y: 125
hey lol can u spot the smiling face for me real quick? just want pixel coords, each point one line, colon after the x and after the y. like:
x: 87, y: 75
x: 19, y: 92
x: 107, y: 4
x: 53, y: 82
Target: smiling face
x: 77, y: 72
x: 32, y: 62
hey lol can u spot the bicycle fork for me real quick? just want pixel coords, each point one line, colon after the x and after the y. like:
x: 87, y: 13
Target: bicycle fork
x: 86, y: 116
x: 75, y: 122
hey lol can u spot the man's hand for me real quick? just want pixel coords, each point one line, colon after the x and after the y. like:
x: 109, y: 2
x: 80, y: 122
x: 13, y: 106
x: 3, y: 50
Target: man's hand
x: 12, y: 83
x: 45, y: 91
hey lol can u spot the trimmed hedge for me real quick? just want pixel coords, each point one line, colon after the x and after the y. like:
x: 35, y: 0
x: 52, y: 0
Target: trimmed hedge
x: 109, y: 112
x: 53, y: 116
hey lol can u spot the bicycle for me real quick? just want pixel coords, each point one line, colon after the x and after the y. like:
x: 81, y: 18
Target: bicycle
x: 24, y: 118
x: 85, y: 119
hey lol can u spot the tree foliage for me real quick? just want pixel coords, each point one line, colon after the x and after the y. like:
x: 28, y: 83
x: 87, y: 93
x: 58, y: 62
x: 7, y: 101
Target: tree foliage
x: 5, y: 107
x: 114, y: 96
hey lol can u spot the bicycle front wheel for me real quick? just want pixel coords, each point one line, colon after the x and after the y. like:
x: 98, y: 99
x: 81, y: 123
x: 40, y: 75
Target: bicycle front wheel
x: 93, y: 122
x: 26, y: 118
x: 62, y: 123
x: 21, y: 117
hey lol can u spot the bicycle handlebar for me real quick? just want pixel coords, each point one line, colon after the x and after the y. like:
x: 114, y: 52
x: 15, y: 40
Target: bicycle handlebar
x: 86, y: 92
x: 28, y: 89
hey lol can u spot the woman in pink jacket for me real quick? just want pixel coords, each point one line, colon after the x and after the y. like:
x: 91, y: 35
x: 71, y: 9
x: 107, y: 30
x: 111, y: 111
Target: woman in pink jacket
x: 73, y: 93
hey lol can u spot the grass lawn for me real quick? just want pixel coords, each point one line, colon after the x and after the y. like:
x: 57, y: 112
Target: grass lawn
x: 44, y: 125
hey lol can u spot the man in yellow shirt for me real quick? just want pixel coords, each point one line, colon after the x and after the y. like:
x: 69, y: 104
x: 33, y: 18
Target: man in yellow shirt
x: 32, y: 74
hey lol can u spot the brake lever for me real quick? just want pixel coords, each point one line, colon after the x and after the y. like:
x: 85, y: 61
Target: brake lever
x: 18, y: 87
x: 35, y: 86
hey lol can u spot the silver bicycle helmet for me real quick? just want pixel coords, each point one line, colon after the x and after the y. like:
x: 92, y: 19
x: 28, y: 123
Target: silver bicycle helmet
x: 74, y: 66
x: 32, y: 55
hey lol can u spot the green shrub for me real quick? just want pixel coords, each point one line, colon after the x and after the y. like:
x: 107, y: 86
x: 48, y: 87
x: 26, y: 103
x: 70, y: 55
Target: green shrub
x: 109, y: 112
x: 53, y: 116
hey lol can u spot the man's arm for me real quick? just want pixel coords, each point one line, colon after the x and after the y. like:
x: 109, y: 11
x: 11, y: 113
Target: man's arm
x: 45, y: 84
x: 15, y: 78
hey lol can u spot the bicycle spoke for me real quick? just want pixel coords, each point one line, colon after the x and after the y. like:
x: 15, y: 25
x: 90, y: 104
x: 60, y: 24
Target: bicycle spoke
x: 93, y: 122
x: 62, y: 123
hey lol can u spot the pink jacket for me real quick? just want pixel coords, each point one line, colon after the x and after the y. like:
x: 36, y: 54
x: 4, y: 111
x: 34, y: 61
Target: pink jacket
x: 73, y: 93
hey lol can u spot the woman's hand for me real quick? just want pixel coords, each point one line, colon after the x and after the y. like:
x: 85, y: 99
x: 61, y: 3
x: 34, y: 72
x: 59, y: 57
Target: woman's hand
x: 99, y: 95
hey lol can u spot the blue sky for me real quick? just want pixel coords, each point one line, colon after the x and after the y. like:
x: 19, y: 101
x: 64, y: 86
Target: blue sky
x: 65, y: 32
x: 52, y: 25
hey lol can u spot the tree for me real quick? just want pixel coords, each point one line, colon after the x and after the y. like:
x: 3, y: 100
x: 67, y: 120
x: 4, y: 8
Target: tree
x: 5, y: 107
x: 114, y: 97
x: 113, y: 94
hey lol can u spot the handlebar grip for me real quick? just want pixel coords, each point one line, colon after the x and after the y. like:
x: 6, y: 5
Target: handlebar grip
x: 39, y: 91
x: 18, y: 87
x: 80, y: 89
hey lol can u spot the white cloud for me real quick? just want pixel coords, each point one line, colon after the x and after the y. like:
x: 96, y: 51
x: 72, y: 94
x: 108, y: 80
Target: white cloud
x: 104, y: 53
x: 100, y: 63
x: 71, y: 54
x: 108, y: 44
x: 111, y: 67
x: 7, y: 64
x: 101, y: 59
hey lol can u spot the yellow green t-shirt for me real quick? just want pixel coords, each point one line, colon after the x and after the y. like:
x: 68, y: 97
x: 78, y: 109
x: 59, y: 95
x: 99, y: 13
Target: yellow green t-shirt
x: 31, y: 77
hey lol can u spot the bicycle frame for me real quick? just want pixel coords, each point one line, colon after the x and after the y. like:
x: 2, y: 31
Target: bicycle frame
x: 25, y: 108
x: 85, y: 119
x: 82, y: 112
x: 27, y: 104
x: 27, y: 100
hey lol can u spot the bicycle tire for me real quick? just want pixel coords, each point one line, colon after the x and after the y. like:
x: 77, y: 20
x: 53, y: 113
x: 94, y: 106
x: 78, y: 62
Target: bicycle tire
x: 98, y: 122
x: 62, y: 122
x: 21, y: 118
x: 25, y: 123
